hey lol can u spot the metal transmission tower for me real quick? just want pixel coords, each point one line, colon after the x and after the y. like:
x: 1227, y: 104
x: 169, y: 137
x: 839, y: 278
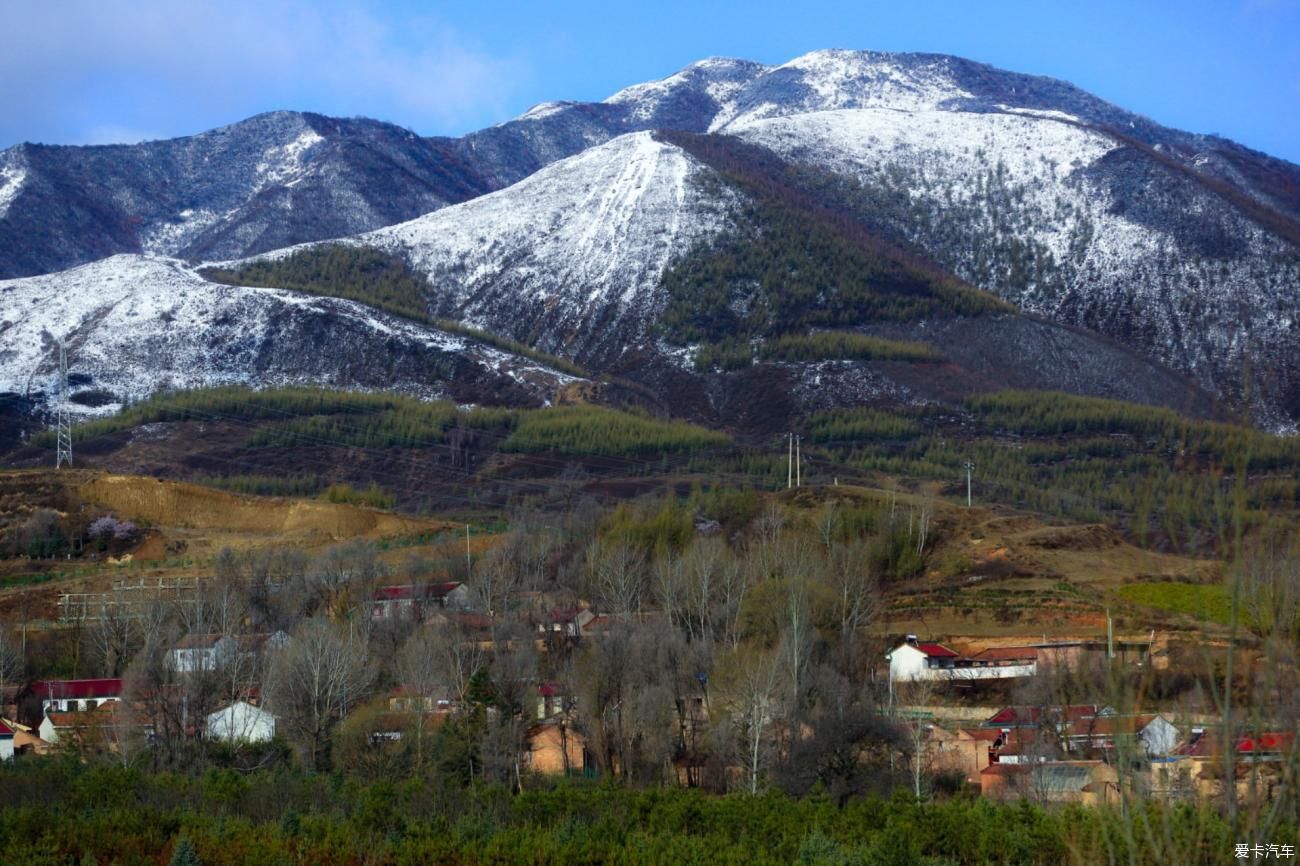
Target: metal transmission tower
x: 970, y: 467
x: 63, y: 421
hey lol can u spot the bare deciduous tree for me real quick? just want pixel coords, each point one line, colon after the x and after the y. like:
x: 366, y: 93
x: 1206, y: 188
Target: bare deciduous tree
x: 492, y: 582
x: 315, y: 680
x: 855, y: 588
x: 749, y: 685
x: 618, y: 575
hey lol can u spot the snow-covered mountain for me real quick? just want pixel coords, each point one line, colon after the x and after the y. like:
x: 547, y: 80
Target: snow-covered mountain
x: 569, y: 259
x: 274, y: 180
x: 557, y: 228
x: 135, y: 324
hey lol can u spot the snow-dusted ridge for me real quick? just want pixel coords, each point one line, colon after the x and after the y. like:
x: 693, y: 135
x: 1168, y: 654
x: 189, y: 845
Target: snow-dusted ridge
x: 11, y: 183
x: 558, y: 225
x: 135, y: 325
x: 572, y: 254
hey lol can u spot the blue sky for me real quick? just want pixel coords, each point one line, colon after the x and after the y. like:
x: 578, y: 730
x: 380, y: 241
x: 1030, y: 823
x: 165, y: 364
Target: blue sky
x: 89, y: 72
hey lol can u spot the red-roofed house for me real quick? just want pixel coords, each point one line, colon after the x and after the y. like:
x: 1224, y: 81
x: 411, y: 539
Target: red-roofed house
x: 414, y: 601
x: 63, y: 696
x: 1034, y: 716
x: 552, y: 699
x: 1086, y: 782
x: 566, y: 622
x: 913, y: 660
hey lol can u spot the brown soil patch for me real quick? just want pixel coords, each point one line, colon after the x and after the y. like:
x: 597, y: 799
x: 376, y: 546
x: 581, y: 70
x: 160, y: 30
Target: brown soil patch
x: 189, y: 506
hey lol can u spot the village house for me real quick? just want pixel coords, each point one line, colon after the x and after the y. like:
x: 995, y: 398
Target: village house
x: 1057, y: 717
x: 565, y: 622
x: 1088, y: 783
x: 26, y: 741
x: 103, y: 729
x: 63, y: 696
x: 1151, y: 734
x: 241, y: 722
x: 209, y: 652
x: 404, y: 699
x: 966, y: 752
x: 912, y: 660
x: 417, y: 601
x: 553, y: 699
x: 1259, y: 762
x: 6, y: 741
x: 553, y: 747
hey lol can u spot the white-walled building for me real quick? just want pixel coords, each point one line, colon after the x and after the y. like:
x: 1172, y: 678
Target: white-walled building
x: 70, y: 696
x: 913, y: 661
x: 6, y: 741
x: 210, y: 652
x: 241, y: 722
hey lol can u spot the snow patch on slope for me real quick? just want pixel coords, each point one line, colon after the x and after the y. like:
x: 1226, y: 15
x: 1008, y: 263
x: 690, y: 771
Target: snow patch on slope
x: 582, y: 241
x: 1027, y: 207
x: 136, y: 325
x: 836, y: 79
x: 283, y: 165
x: 956, y: 150
x: 721, y: 78
x: 11, y: 183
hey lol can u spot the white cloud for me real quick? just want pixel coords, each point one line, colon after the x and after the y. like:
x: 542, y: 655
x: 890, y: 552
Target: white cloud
x: 75, y: 67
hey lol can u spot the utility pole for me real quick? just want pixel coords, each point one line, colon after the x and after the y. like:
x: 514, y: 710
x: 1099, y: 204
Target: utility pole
x: 467, y: 551
x: 970, y: 467
x: 1110, y: 637
x: 63, y: 422
x: 798, y: 464
x: 789, y: 461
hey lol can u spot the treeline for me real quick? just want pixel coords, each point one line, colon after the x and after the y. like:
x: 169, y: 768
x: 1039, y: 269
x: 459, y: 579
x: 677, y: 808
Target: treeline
x: 1164, y: 478
x: 860, y: 424
x: 844, y: 346
x: 736, y: 354
x: 59, y: 813
x: 408, y: 424
x: 1040, y: 413
x: 371, y: 277
x: 793, y: 263
x: 232, y: 402
x: 594, y: 430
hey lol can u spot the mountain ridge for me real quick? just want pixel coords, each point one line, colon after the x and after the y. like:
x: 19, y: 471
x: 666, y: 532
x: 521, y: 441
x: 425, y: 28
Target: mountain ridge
x: 110, y: 215
x: 986, y: 176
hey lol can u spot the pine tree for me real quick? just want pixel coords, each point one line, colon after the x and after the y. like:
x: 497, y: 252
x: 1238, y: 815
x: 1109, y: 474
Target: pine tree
x: 185, y: 855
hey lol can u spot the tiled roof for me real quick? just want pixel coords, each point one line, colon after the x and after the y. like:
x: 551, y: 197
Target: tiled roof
x: 987, y: 734
x: 1269, y: 742
x: 1010, y: 716
x: 938, y: 650
x: 197, y: 641
x: 414, y: 591
x: 78, y: 689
